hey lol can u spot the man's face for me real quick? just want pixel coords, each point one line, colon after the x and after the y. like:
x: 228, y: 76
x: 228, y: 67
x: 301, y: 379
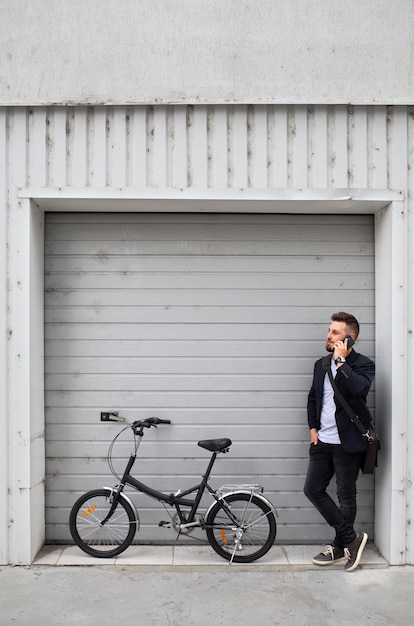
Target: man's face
x: 336, y: 332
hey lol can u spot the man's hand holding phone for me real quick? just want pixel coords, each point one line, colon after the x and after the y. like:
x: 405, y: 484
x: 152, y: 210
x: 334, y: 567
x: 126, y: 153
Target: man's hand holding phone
x: 342, y: 349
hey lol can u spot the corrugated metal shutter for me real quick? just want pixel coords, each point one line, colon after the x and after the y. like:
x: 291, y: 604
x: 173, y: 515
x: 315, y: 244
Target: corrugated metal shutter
x: 212, y: 320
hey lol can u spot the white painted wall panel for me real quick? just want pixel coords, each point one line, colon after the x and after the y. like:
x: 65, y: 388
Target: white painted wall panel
x: 4, y: 447
x: 213, y: 321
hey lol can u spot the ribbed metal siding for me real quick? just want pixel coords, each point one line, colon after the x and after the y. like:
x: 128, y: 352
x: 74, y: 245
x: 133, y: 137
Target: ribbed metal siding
x: 217, y: 147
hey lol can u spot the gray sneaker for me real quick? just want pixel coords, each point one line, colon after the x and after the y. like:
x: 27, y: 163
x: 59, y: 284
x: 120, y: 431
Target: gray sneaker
x: 329, y: 556
x: 354, y: 552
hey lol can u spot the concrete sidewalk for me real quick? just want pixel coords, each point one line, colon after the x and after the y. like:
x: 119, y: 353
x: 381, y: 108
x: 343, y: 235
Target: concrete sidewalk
x: 189, y: 589
x: 279, y: 557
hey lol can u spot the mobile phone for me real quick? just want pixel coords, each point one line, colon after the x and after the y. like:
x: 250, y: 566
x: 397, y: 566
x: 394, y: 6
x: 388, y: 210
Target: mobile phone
x: 350, y: 340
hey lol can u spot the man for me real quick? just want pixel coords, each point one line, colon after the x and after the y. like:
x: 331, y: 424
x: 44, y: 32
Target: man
x: 336, y: 444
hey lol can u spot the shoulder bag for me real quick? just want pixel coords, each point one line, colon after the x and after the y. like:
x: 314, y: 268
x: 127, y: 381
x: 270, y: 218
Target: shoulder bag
x: 369, y: 460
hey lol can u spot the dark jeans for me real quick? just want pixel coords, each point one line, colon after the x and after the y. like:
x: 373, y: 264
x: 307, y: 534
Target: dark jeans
x: 325, y: 460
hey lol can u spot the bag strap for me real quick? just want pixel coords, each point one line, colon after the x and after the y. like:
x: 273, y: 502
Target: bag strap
x: 326, y: 364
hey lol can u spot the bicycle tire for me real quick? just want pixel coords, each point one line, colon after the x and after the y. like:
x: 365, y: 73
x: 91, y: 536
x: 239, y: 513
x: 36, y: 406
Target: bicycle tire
x: 104, y: 541
x: 252, y: 516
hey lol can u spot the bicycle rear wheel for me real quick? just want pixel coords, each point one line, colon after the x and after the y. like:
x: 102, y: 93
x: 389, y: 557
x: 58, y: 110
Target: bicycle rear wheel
x: 242, y: 528
x: 109, y: 539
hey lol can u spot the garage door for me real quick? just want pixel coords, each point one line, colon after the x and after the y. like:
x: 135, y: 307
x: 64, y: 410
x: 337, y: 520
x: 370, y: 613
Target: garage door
x: 211, y: 320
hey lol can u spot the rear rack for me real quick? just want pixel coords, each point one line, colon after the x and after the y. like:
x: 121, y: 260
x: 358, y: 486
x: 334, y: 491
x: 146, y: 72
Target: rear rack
x: 240, y: 487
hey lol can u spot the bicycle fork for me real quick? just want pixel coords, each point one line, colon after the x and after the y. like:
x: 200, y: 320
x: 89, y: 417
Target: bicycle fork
x: 115, y: 492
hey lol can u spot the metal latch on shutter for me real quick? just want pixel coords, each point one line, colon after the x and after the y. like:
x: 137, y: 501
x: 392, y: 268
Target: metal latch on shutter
x: 112, y: 416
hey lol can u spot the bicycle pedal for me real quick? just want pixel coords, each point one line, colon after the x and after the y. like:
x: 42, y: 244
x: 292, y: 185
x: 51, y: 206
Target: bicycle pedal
x: 164, y: 524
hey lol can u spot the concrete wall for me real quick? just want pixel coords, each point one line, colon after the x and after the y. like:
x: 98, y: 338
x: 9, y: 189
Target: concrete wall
x: 183, y: 51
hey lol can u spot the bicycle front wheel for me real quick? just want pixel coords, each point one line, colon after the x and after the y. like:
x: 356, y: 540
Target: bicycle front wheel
x: 241, y: 527
x: 93, y: 537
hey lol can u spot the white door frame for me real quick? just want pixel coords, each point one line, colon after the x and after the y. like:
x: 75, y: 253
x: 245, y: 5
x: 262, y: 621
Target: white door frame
x: 22, y: 485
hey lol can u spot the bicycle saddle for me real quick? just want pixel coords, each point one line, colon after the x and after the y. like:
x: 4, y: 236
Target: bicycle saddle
x: 215, y: 445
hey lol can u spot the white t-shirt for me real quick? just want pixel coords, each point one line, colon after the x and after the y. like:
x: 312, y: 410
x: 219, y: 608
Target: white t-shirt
x: 328, y: 432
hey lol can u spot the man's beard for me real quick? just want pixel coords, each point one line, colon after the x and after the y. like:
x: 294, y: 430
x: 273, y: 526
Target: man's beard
x: 329, y: 348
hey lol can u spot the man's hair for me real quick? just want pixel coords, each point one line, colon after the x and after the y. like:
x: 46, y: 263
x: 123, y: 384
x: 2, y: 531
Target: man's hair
x: 349, y: 320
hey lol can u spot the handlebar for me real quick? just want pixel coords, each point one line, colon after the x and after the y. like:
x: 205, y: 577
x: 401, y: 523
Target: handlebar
x: 148, y: 423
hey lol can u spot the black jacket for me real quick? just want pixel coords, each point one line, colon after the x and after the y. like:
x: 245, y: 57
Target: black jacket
x: 353, y: 379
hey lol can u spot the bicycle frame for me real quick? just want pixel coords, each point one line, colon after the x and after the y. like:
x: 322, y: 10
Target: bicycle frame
x: 178, y: 499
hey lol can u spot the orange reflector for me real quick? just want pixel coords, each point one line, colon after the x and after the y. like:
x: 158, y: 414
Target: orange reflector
x: 90, y: 510
x: 223, y: 535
